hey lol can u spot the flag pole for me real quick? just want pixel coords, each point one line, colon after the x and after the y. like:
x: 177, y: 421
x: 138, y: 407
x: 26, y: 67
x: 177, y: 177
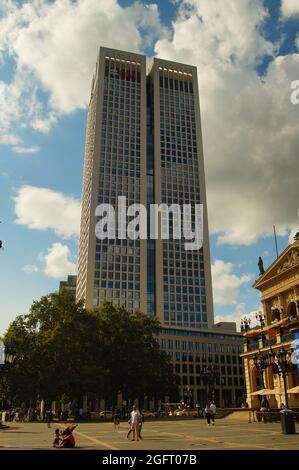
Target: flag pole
x: 275, y: 238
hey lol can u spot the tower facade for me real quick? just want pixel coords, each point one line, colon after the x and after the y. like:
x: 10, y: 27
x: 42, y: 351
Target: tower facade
x: 144, y: 142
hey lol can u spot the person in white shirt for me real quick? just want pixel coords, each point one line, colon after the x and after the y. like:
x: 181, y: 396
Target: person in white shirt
x: 134, y: 421
x: 213, y: 412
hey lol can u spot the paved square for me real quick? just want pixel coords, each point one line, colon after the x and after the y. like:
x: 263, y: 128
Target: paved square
x: 228, y: 433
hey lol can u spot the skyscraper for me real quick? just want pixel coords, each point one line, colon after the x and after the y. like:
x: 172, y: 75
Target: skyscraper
x: 144, y: 142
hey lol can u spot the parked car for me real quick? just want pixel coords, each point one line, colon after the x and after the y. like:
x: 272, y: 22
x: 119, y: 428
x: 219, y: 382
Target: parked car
x: 148, y: 414
x: 186, y: 412
x: 178, y: 410
x: 106, y: 414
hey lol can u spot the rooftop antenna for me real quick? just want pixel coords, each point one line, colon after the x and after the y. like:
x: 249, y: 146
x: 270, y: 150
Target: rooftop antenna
x: 275, y: 238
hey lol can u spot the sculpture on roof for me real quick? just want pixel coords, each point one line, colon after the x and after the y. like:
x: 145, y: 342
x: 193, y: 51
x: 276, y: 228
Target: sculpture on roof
x: 261, y: 266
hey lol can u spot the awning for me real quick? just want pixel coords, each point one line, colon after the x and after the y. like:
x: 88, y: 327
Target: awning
x: 294, y: 390
x: 267, y: 391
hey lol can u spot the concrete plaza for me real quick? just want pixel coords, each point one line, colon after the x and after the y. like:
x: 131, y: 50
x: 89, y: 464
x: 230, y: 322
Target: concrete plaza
x: 228, y: 433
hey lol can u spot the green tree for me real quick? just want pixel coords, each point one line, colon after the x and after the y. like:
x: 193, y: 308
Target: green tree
x: 64, y: 350
x: 56, y: 350
x: 131, y: 354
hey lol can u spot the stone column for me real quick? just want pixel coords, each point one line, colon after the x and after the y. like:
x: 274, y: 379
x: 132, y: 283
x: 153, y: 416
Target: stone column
x: 42, y: 408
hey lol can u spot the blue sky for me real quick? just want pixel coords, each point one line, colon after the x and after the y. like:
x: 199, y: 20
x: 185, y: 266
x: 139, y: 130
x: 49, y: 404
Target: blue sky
x: 247, y: 57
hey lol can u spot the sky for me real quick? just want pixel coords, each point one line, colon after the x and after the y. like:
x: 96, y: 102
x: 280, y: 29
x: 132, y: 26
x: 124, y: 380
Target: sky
x: 247, y: 55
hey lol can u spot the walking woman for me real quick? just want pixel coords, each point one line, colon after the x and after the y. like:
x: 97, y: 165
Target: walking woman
x: 49, y: 417
x: 208, y: 413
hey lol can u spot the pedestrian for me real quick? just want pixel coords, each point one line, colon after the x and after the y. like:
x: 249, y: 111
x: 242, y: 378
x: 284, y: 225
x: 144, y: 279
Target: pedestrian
x: 140, y: 424
x: 130, y: 430
x: 68, y: 439
x: 134, y: 421
x: 116, y: 420
x: 197, y: 406
x: 57, y: 438
x: 49, y: 417
x: 213, y: 410
x: 208, y: 414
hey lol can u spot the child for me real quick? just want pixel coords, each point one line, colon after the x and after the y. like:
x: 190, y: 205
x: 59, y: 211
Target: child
x: 141, y: 421
x: 57, y: 438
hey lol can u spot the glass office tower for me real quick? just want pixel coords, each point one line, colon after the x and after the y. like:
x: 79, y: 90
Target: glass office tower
x: 144, y: 142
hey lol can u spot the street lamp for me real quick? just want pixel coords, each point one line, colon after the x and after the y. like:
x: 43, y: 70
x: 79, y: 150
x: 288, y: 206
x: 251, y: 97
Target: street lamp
x: 210, y: 373
x: 261, y: 362
x: 281, y: 365
x: 245, y: 324
x: 7, y: 356
x: 188, y: 395
x: 260, y: 316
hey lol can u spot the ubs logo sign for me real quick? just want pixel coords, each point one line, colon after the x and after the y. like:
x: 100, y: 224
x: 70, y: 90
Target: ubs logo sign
x: 123, y: 74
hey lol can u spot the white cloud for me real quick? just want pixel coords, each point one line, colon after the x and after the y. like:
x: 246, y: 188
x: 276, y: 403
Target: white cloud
x: 43, y: 209
x: 289, y: 8
x: 30, y: 268
x: 57, y: 261
x: 9, y: 139
x: 226, y: 284
x: 55, y: 45
x: 32, y: 149
x: 293, y: 232
x: 237, y: 315
x: 250, y: 127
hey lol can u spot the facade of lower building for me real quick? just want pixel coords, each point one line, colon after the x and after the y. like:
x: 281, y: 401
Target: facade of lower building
x: 207, y: 363
x: 271, y: 349
x: 70, y: 284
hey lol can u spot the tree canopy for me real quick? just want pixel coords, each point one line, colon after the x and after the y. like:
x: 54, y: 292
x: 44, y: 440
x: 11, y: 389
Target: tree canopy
x: 64, y: 350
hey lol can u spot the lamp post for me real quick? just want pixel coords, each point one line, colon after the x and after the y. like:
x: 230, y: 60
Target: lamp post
x: 245, y: 324
x: 260, y: 316
x: 261, y: 362
x: 281, y: 365
x: 210, y: 373
x: 188, y: 395
x: 7, y: 356
x: 221, y: 382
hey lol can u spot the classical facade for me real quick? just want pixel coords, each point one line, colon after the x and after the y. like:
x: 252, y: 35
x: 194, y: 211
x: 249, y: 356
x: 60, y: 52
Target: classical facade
x: 271, y: 366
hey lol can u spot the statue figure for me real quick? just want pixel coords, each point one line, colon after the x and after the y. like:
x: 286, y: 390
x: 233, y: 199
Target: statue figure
x: 261, y: 266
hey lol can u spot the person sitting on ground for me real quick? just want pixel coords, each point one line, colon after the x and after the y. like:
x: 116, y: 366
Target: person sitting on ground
x: 68, y: 440
x: 57, y: 438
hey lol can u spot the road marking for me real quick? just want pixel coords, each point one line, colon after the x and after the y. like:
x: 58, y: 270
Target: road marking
x: 215, y: 441
x: 92, y: 439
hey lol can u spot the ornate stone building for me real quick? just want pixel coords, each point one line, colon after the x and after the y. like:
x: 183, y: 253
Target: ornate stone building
x: 271, y: 349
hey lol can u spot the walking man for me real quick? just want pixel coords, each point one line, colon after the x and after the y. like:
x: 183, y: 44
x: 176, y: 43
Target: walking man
x: 134, y: 421
x: 49, y: 417
x: 213, y: 412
